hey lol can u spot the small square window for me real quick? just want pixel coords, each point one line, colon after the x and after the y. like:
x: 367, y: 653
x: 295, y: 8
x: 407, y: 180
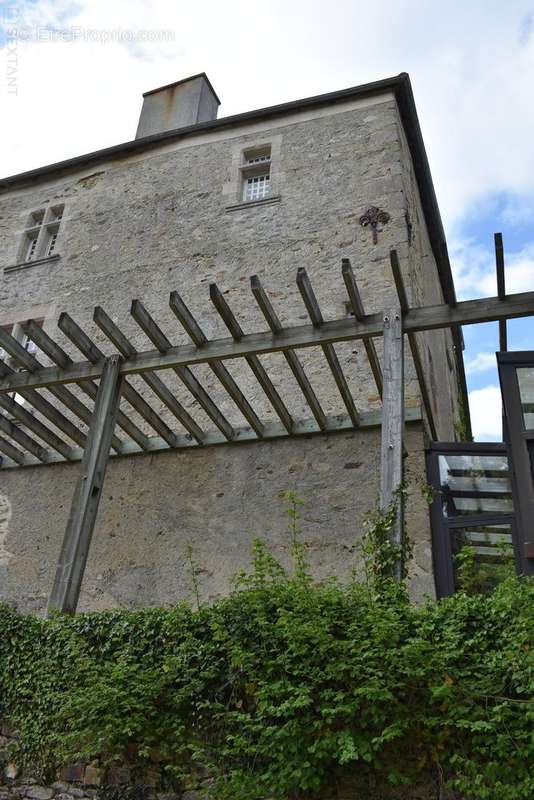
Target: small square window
x: 256, y: 174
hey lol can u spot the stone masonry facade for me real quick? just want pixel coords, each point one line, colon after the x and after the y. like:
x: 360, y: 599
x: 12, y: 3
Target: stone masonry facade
x: 170, y: 218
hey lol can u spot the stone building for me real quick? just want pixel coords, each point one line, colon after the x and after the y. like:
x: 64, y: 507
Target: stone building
x: 193, y: 200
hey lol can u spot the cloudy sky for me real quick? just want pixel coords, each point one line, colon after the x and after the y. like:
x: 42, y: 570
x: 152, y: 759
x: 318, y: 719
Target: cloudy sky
x: 72, y: 82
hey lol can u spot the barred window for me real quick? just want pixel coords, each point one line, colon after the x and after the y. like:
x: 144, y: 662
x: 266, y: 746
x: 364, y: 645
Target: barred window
x: 257, y: 187
x: 256, y: 173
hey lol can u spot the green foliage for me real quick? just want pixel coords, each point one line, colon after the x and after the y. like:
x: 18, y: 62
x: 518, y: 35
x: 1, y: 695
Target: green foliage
x: 461, y: 423
x: 287, y: 685
x: 384, y: 559
x: 476, y: 575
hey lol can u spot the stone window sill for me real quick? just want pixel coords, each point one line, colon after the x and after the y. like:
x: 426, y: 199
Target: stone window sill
x: 34, y: 263
x: 265, y: 201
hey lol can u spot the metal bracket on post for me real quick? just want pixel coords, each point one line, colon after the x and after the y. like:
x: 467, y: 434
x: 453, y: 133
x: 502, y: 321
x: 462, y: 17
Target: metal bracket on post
x: 391, y: 471
x: 86, y: 498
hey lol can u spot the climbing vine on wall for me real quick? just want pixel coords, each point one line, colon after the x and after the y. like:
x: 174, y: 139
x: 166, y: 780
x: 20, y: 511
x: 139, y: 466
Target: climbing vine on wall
x: 287, y: 685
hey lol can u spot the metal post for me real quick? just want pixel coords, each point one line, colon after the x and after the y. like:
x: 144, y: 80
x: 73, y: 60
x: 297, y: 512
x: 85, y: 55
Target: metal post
x: 86, y: 498
x: 393, y: 421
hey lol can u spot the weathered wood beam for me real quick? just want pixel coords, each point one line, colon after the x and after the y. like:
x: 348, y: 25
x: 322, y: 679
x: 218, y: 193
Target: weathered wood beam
x: 75, y: 549
x: 359, y: 314
x: 22, y: 438
x: 341, y: 423
x: 501, y: 289
x: 26, y: 360
x: 391, y: 473
x: 160, y: 389
x: 412, y: 341
x: 44, y: 407
x: 158, y: 338
x: 425, y: 318
x: 316, y: 316
x: 89, y: 349
x: 259, y: 371
x: 30, y: 421
x: 193, y: 329
x: 56, y: 354
x: 292, y: 359
x: 10, y: 450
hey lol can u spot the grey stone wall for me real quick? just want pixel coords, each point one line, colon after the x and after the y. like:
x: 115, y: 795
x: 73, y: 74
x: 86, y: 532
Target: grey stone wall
x: 220, y: 499
x: 144, y: 225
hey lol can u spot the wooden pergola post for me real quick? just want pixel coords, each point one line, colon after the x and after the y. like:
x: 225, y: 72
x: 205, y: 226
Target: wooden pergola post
x: 393, y: 422
x: 86, y: 498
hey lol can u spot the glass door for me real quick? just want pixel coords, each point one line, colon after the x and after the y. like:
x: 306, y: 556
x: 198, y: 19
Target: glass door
x: 516, y: 373
x: 472, y: 515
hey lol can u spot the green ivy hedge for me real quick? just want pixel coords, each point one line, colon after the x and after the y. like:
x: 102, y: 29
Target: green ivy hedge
x: 286, y: 687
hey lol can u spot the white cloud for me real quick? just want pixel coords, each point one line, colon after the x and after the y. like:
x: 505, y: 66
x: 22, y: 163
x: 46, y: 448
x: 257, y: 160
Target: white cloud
x: 482, y: 362
x: 486, y: 413
x: 474, y: 269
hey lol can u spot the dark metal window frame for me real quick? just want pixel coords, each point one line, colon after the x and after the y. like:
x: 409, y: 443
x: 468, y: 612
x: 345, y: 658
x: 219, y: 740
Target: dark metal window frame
x: 518, y: 438
x: 442, y: 526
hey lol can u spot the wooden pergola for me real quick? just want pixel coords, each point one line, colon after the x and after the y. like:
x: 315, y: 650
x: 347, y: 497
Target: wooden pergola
x: 105, y: 380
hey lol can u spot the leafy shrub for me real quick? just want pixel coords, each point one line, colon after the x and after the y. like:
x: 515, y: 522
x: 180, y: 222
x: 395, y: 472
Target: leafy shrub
x: 286, y: 686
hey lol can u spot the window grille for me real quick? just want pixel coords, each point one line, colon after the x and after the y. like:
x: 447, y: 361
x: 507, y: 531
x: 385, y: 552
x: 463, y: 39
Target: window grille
x: 257, y: 187
x: 256, y: 173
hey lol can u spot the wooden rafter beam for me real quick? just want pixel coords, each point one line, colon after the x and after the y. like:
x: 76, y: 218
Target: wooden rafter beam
x: 44, y: 407
x: 158, y: 338
x: 154, y: 382
x: 359, y: 314
x: 292, y: 359
x: 214, y: 438
x: 316, y: 316
x: 19, y: 412
x: 56, y: 354
x: 89, y: 349
x: 259, y: 371
x: 425, y: 318
x: 193, y: 329
x: 414, y: 346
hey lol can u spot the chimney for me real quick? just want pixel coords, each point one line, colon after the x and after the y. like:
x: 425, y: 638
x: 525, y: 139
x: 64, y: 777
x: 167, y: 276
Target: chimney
x: 178, y: 105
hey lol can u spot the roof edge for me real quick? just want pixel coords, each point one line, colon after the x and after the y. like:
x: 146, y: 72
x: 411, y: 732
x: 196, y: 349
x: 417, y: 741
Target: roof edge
x: 146, y: 142
x: 436, y: 233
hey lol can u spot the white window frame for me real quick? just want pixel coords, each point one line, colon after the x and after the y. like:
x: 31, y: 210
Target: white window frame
x: 256, y: 174
x: 39, y: 239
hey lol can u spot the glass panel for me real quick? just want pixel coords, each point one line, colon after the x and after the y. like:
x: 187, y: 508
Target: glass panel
x: 525, y: 378
x: 483, y: 556
x: 475, y: 484
x: 257, y: 187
